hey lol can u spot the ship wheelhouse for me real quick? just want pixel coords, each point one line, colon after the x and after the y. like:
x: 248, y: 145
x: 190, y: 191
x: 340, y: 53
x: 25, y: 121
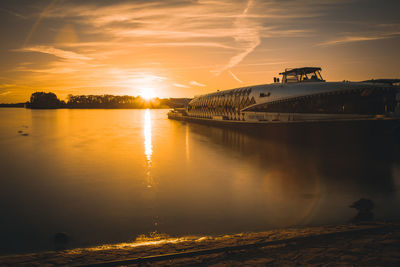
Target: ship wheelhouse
x: 307, y: 74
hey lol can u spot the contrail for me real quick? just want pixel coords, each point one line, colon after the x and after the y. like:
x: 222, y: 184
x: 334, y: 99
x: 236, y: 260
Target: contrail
x: 247, y: 35
x: 234, y: 77
x: 36, y: 24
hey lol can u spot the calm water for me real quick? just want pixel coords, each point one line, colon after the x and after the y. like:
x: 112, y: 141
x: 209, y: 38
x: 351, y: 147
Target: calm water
x: 108, y: 176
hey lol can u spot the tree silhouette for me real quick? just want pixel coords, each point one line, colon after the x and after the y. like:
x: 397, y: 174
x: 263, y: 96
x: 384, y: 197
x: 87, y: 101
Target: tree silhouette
x: 45, y: 100
x: 50, y: 100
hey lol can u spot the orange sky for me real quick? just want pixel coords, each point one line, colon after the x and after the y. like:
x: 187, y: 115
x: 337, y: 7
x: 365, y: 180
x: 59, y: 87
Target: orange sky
x: 184, y: 48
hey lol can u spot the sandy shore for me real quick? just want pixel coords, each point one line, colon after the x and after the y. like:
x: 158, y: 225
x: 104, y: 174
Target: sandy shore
x: 374, y: 244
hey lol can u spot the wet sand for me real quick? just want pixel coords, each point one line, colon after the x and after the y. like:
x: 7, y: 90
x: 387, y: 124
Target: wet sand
x: 373, y: 244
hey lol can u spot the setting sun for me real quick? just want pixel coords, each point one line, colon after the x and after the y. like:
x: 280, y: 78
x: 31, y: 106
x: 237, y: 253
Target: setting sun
x: 147, y: 93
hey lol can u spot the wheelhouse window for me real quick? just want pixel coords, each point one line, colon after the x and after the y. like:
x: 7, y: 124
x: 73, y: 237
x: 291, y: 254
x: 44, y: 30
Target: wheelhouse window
x: 308, y: 74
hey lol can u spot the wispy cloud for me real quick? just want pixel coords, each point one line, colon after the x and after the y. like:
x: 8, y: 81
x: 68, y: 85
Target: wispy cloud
x: 4, y: 92
x: 196, y: 83
x: 181, y: 85
x: 187, y: 44
x: 54, y: 51
x: 358, y: 38
x: 7, y: 85
x: 246, y: 36
x: 16, y: 14
x: 4, y: 88
x: 235, y: 77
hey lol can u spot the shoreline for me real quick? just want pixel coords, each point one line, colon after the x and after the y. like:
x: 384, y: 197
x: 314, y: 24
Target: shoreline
x: 364, y: 244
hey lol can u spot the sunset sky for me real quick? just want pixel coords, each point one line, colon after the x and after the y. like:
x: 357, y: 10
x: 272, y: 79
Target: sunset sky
x: 185, y: 48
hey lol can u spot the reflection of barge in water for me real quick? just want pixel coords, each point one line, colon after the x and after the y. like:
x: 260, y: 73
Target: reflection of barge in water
x: 302, y: 96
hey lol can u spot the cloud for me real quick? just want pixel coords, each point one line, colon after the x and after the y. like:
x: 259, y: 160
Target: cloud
x: 4, y: 88
x: 266, y: 63
x: 7, y: 85
x: 214, y: 24
x: 196, y: 83
x: 14, y: 13
x: 177, y: 44
x: 202, y: 23
x: 5, y: 92
x: 54, y: 51
x: 352, y: 39
x: 246, y: 35
x: 127, y: 44
x: 235, y: 77
x: 181, y: 85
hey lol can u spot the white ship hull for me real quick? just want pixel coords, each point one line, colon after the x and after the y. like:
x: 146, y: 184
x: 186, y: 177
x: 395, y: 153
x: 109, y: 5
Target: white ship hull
x: 298, y: 102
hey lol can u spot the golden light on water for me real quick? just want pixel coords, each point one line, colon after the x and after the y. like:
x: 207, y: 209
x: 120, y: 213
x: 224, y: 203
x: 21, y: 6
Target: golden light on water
x: 148, y: 146
x: 187, y: 143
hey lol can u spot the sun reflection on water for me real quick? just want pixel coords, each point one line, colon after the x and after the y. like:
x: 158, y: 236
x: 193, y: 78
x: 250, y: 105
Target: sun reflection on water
x: 148, y: 146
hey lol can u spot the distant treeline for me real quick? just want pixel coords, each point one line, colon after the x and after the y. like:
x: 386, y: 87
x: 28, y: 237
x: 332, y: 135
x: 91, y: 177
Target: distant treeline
x: 14, y: 105
x: 42, y: 100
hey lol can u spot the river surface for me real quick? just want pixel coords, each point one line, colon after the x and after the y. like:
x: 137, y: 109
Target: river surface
x: 106, y: 176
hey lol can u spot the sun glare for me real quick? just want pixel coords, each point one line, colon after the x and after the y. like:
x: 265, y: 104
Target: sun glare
x: 147, y: 93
